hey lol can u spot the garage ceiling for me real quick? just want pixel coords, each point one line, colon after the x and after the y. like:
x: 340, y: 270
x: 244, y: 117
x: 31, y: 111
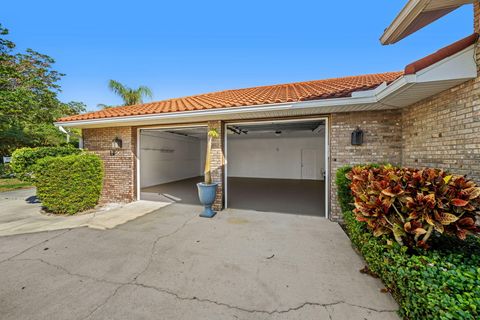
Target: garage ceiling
x: 316, y: 126
x: 196, y: 132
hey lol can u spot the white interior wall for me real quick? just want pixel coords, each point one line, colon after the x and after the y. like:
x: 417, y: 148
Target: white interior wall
x: 160, y: 166
x: 273, y: 157
x: 203, y: 149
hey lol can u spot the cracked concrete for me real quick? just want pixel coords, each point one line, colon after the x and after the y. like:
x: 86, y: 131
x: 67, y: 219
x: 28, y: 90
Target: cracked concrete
x: 171, y: 264
x: 21, y: 213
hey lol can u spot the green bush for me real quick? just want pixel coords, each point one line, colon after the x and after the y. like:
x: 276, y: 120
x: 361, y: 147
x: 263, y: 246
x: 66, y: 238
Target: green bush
x: 442, y: 283
x: 345, y: 197
x: 5, y: 170
x: 24, y: 159
x: 69, y: 184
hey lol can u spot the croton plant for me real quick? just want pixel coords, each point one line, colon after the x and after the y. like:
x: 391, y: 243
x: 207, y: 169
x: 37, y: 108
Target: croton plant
x: 411, y: 204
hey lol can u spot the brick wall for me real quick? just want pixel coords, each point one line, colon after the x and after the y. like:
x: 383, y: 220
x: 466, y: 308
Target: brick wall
x: 444, y: 130
x: 119, y: 184
x: 381, y: 143
x: 217, y: 162
x: 476, y: 16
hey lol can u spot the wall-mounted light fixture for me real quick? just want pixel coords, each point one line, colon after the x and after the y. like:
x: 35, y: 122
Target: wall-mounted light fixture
x: 116, y: 145
x: 357, y: 137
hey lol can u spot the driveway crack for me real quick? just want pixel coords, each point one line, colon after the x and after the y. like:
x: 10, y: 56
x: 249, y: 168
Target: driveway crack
x: 369, y: 308
x: 154, y: 246
x: 229, y: 306
x: 65, y: 270
x: 105, y: 301
x: 35, y: 245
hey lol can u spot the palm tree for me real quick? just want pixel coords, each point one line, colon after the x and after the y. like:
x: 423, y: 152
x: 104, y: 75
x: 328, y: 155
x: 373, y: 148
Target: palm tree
x: 129, y: 96
x: 104, y: 106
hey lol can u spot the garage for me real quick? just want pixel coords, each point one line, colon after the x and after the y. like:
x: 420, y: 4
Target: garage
x: 171, y: 162
x: 277, y: 166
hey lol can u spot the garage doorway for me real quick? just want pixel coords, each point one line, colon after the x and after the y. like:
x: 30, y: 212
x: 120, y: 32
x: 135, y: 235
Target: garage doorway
x: 170, y: 164
x: 278, y: 166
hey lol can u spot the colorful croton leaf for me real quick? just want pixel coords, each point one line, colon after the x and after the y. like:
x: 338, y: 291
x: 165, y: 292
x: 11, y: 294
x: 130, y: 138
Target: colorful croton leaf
x: 411, y: 204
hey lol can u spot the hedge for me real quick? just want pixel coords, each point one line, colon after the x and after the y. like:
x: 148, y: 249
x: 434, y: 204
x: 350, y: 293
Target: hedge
x: 24, y: 159
x: 441, y: 283
x: 69, y: 184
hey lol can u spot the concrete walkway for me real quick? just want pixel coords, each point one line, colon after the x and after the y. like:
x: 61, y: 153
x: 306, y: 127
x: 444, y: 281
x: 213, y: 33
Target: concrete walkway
x: 20, y: 213
x: 171, y: 264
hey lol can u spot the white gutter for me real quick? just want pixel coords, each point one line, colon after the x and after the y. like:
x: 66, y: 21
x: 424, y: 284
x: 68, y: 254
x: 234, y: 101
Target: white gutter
x: 222, y: 111
x: 460, y: 66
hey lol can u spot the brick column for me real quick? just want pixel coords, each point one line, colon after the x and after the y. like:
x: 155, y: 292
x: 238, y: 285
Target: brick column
x: 119, y: 183
x: 476, y: 28
x: 217, y: 162
x: 476, y: 16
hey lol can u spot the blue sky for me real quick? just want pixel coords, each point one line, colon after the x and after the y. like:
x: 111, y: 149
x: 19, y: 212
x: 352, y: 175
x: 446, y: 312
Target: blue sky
x: 180, y: 48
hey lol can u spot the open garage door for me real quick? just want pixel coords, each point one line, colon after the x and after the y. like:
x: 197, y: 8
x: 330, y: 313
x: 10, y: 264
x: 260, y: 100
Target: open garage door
x: 277, y: 166
x: 171, y: 162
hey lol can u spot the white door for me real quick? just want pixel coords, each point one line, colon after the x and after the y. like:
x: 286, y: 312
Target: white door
x: 309, y: 164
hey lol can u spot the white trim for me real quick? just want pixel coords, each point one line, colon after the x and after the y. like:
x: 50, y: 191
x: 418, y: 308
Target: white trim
x: 327, y: 169
x: 326, y: 152
x: 413, y: 10
x: 162, y: 127
x: 209, y: 112
x: 138, y: 165
x: 225, y: 166
x: 404, y: 18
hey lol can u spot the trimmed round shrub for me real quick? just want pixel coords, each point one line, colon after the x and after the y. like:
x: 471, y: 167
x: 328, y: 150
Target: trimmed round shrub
x: 69, y: 184
x: 24, y: 159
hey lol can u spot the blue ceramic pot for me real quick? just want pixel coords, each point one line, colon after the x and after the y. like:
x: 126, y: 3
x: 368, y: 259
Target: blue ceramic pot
x: 206, y: 194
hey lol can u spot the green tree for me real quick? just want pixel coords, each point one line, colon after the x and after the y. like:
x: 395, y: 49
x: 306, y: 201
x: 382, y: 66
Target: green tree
x: 29, y: 101
x: 129, y: 95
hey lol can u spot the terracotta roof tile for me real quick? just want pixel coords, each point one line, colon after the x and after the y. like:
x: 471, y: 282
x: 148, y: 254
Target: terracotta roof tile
x: 441, y: 54
x: 281, y: 93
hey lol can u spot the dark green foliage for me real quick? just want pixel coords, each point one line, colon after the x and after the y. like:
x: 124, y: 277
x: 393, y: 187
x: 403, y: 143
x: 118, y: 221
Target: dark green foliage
x: 24, y: 159
x: 70, y: 184
x: 345, y: 197
x: 5, y: 170
x: 442, y: 283
x: 29, y: 101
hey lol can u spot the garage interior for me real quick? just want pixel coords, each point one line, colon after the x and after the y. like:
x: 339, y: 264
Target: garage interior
x: 277, y: 167
x: 171, y: 163
x: 270, y: 166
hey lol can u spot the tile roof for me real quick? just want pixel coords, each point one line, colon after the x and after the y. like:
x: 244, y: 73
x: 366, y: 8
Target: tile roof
x: 280, y: 93
x: 290, y: 92
x: 441, y: 54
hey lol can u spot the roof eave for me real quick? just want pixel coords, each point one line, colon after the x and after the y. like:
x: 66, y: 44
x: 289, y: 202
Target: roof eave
x: 417, y: 14
x: 406, y: 90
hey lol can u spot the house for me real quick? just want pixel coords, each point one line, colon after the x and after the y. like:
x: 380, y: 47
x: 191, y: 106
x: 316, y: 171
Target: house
x: 279, y: 146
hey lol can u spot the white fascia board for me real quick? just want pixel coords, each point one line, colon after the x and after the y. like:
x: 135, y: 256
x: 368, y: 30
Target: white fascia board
x: 460, y: 65
x: 411, y: 14
x: 456, y: 67
x: 216, y: 112
x: 406, y: 16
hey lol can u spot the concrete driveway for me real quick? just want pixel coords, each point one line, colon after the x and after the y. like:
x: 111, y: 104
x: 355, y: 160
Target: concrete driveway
x: 171, y: 264
x: 20, y: 213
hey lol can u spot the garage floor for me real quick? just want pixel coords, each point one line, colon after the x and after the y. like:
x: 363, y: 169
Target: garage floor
x: 306, y: 197
x: 183, y: 191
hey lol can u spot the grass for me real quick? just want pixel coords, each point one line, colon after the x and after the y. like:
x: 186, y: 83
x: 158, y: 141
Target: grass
x: 9, y: 184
